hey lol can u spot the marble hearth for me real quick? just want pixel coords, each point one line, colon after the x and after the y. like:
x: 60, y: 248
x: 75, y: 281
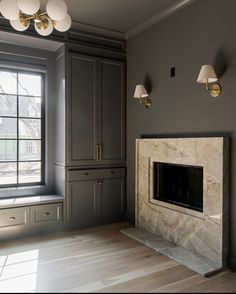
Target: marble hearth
x: 195, y: 239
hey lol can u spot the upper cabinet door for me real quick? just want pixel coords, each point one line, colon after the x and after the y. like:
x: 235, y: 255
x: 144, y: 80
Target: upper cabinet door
x: 112, y: 120
x: 82, y: 110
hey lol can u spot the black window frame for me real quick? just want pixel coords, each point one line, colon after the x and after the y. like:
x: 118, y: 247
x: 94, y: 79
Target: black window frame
x: 43, y: 125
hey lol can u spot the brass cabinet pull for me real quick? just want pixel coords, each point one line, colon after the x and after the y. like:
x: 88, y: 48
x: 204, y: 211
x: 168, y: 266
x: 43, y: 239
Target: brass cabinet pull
x: 97, y: 152
x: 111, y: 173
x: 100, y: 152
x: 85, y: 174
x: 99, y: 183
x: 46, y: 214
x: 12, y: 219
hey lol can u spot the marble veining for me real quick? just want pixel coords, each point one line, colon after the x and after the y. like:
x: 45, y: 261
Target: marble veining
x: 181, y: 255
x: 202, y: 234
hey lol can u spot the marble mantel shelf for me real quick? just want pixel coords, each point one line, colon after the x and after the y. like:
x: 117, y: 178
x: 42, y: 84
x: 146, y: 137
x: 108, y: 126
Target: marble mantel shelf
x: 173, y: 251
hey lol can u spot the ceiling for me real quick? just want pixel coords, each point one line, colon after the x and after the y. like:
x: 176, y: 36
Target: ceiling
x: 117, y: 15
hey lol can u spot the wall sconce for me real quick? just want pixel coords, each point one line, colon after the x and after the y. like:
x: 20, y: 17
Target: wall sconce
x: 207, y: 75
x: 141, y: 94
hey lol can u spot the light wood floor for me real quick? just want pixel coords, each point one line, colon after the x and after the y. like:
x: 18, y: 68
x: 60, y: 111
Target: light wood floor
x: 98, y: 260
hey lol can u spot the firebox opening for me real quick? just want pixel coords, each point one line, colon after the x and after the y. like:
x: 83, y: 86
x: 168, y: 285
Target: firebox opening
x: 181, y: 185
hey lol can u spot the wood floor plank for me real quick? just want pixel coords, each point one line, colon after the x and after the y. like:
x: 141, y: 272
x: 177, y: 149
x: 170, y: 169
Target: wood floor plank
x: 101, y: 260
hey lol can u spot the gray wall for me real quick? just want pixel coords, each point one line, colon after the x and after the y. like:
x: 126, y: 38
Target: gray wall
x: 202, y: 33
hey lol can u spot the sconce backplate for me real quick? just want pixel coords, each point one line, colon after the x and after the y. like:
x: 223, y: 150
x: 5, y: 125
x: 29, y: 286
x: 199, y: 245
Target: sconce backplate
x: 215, y: 90
x: 148, y: 103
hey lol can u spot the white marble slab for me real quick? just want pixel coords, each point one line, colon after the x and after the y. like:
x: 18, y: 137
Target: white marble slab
x: 171, y: 250
x: 30, y: 200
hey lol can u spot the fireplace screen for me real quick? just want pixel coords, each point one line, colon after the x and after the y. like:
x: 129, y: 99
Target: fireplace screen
x: 179, y: 184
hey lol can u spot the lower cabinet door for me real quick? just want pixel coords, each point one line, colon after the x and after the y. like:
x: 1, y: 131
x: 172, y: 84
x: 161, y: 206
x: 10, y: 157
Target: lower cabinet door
x: 112, y: 197
x: 83, y: 201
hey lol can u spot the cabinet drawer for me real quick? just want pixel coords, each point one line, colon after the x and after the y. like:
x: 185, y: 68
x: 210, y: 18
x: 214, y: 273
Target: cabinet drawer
x: 46, y: 214
x: 95, y: 174
x: 14, y: 217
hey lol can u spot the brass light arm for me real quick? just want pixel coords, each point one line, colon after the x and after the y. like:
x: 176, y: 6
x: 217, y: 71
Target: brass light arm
x: 44, y: 13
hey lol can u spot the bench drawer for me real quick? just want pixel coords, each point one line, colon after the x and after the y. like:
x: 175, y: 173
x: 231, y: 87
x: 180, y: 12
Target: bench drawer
x: 15, y: 217
x: 95, y: 174
x: 46, y: 214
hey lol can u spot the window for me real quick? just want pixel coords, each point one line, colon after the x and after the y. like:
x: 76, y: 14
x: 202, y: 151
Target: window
x: 21, y: 128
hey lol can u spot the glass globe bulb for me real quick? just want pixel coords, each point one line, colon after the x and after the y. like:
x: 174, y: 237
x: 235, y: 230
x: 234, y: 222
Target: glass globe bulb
x: 63, y: 25
x: 44, y: 31
x: 19, y: 25
x: 9, y: 9
x: 29, y: 7
x: 56, y: 9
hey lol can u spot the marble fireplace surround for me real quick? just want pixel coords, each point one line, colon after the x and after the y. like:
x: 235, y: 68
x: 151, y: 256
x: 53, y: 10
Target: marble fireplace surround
x: 197, y: 240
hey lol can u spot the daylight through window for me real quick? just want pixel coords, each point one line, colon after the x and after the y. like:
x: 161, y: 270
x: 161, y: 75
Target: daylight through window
x: 21, y: 126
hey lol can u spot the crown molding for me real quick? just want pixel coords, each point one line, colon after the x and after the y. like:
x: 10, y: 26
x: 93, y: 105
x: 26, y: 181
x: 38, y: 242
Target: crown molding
x: 157, y: 18
x: 97, y: 30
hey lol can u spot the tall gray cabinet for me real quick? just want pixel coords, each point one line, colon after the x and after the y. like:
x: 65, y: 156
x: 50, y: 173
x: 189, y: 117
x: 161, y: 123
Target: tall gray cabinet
x: 96, y: 112
x: 94, y: 132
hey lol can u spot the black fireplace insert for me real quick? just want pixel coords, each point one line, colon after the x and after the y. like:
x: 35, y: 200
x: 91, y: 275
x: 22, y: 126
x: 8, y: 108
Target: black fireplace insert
x: 179, y: 184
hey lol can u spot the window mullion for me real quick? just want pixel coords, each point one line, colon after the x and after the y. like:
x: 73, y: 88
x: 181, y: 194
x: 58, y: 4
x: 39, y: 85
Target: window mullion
x: 17, y: 105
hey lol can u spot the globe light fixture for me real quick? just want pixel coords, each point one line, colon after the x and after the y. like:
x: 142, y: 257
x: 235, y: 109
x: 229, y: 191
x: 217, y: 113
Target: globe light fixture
x: 64, y: 24
x: 56, y: 9
x: 23, y: 13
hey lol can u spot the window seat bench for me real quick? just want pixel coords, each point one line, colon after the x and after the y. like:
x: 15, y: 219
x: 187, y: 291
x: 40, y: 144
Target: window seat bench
x: 24, y: 216
x: 29, y: 201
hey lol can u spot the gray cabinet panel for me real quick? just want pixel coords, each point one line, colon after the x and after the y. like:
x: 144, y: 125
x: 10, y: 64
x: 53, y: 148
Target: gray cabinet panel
x: 83, y: 200
x: 112, y: 112
x: 94, y: 174
x: 82, y: 108
x: 112, y: 197
x: 91, y: 200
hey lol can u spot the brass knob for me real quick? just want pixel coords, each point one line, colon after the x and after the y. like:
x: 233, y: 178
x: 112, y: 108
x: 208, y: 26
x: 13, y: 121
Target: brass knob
x: 12, y: 219
x: 111, y: 173
x: 46, y: 214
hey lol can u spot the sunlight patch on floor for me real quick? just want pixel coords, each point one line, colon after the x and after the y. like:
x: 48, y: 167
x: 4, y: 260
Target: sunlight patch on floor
x: 18, y: 272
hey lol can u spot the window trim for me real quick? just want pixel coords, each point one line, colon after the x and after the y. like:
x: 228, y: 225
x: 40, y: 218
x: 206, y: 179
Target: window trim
x: 43, y: 128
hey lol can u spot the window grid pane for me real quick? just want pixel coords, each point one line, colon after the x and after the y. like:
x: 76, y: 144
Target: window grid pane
x: 20, y: 129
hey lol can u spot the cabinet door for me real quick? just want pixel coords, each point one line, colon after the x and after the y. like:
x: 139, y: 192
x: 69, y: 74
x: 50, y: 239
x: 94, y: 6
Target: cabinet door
x: 83, y: 201
x: 112, y: 197
x: 112, y: 103
x: 82, y: 110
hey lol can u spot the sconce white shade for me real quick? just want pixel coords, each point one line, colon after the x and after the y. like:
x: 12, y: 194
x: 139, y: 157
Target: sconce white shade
x: 207, y: 75
x: 140, y: 92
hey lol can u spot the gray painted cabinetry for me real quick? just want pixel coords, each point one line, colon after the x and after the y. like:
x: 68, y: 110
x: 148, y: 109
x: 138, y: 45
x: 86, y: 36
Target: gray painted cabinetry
x: 96, y: 111
x: 100, y: 194
x: 95, y: 145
